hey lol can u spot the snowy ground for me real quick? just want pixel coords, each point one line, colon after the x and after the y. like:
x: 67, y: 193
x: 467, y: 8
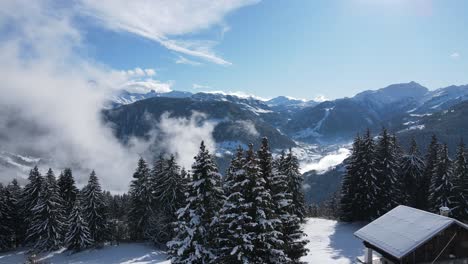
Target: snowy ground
x: 330, y: 242
x: 134, y: 253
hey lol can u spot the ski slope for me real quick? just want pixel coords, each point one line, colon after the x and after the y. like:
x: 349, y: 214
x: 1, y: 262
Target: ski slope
x: 329, y: 242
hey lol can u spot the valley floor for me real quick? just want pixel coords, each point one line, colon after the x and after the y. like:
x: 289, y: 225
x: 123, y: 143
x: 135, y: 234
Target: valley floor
x: 330, y: 242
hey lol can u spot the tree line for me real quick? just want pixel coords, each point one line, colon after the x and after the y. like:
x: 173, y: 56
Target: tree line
x: 48, y: 214
x: 251, y: 215
x: 380, y: 175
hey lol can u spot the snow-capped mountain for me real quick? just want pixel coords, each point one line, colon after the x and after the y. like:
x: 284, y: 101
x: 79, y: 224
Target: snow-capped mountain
x: 124, y: 97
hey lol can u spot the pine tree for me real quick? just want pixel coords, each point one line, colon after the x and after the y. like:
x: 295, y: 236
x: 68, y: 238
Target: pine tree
x: 348, y: 210
x: 140, y: 197
x: 47, y: 222
x: 94, y: 209
x: 78, y: 236
x: 16, y: 224
x: 441, y: 182
x: 295, y: 184
x: 6, y: 233
x: 194, y: 242
x: 234, y: 240
x: 262, y: 212
x: 430, y: 161
x: 412, y: 177
x: 367, y: 186
x: 460, y: 179
x: 67, y: 190
x: 386, y: 165
x: 31, y: 191
x: 291, y: 233
x: 169, y: 195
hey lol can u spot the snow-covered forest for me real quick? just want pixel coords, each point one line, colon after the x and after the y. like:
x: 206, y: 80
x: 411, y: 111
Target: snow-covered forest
x: 252, y: 215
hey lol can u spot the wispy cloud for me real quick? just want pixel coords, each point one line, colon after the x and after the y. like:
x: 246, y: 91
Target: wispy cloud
x: 200, y: 86
x: 455, y: 55
x: 166, y: 21
x: 183, y: 60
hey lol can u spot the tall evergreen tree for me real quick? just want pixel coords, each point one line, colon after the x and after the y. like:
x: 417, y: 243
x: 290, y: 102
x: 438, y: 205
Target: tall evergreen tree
x: 387, y: 165
x: 291, y: 233
x: 367, y: 186
x: 430, y: 162
x: 140, y: 199
x: 67, y: 190
x: 460, y: 179
x: 169, y: 196
x: 261, y: 210
x: 441, y: 183
x: 412, y: 177
x: 47, y: 222
x: 348, y: 205
x: 194, y: 242
x: 94, y: 209
x: 78, y: 236
x: 13, y: 199
x: 31, y: 192
x: 234, y: 239
x: 6, y: 233
x: 290, y: 168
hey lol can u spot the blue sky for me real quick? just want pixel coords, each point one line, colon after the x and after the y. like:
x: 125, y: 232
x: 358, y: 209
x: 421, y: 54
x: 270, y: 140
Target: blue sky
x: 303, y: 49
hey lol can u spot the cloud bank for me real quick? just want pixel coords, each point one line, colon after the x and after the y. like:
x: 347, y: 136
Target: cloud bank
x: 52, y: 98
x: 327, y: 162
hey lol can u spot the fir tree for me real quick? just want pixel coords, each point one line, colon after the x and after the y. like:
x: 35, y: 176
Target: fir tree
x: 386, y: 165
x: 266, y: 237
x: 460, y: 179
x: 194, y: 242
x: 441, y: 182
x: 430, y: 161
x: 348, y: 210
x: 78, y: 236
x: 13, y: 200
x: 31, y: 192
x: 290, y: 169
x: 169, y: 195
x: 6, y: 233
x: 47, y: 222
x: 367, y: 186
x: 140, y: 197
x: 234, y: 240
x: 292, y: 237
x: 94, y: 209
x: 412, y: 177
x: 67, y: 190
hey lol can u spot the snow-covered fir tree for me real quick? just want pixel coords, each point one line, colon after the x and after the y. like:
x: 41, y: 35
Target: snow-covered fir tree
x: 169, y: 196
x: 78, y: 236
x: 367, y: 186
x: 430, y: 162
x: 67, y: 190
x: 140, y: 199
x: 31, y: 192
x: 387, y: 160
x: 47, y: 217
x: 6, y: 233
x: 441, y: 183
x: 265, y: 222
x: 460, y: 182
x: 235, y: 240
x: 13, y: 199
x: 195, y: 239
x: 290, y: 168
x: 291, y: 235
x: 348, y: 205
x: 412, y: 177
x: 94, y: 209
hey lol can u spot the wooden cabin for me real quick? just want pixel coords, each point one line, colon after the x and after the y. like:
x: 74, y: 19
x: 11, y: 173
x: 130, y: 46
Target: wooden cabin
x: 407, y: 235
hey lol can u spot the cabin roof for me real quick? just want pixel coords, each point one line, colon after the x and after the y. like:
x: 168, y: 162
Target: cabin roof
x: 403, y: 229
